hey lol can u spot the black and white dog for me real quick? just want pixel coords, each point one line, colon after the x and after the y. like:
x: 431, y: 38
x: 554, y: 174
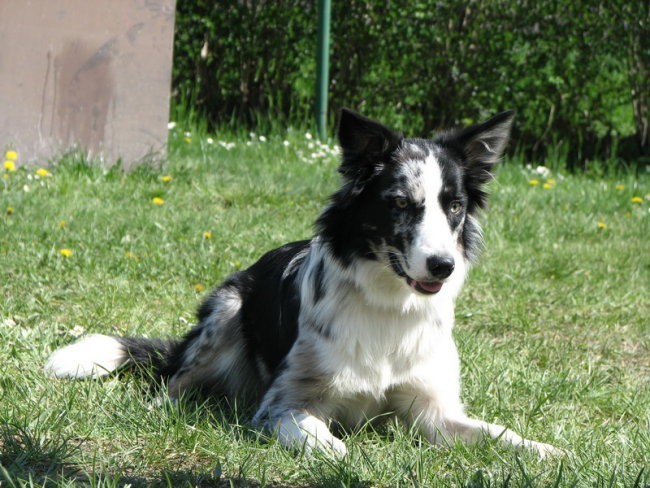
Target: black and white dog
x: 356, y: 322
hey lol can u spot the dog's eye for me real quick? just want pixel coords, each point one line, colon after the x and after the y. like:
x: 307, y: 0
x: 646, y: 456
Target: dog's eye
x: 401, y: 202
x: 455, y: 207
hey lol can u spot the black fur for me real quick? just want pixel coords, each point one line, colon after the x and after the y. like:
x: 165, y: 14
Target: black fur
x: 269, y: 298
x: 154, y: 352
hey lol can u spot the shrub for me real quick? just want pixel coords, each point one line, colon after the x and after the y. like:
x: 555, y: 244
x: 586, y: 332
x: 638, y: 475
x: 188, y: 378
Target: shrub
x: 576, y: 72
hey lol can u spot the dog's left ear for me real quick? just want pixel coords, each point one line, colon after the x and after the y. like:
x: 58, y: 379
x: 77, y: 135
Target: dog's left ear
x: 365, y: 143
x: 480, y: 147
x: 483, y: 144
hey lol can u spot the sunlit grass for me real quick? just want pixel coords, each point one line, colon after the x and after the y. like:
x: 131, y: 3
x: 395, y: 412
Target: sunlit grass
x: 553, y: 325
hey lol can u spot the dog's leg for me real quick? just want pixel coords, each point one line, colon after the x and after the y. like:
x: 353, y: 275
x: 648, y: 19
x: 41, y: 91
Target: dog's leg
x: 296, y: 407
x: 473, y: 431
x: 442, y: 424
x: 212, y: 358
x: 295, y: 428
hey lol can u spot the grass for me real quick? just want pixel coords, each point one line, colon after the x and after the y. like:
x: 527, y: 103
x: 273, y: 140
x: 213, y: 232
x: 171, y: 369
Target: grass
x: 552, y: 326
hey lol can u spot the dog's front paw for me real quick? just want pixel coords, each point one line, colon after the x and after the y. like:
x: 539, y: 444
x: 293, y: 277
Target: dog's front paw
x: 545, y: 451
x: 298, y: 430
x: 332, y: 447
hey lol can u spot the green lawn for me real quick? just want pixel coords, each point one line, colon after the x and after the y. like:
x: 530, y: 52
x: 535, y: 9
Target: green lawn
x: 553, y: 326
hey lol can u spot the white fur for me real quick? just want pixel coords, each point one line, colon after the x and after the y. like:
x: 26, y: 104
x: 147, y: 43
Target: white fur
x: 93, y: 356
x: 433, y: 237
x: 375, y: 349
x: 304, y: 431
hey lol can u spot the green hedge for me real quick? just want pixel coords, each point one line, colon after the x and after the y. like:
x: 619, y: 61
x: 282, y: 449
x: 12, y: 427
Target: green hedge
x: 577, y: 72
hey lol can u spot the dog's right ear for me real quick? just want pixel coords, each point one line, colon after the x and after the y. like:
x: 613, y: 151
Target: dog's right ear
x: 365, y: 143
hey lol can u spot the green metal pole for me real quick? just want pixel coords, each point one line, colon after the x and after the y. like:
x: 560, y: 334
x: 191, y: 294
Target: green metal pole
x: 322, y: 66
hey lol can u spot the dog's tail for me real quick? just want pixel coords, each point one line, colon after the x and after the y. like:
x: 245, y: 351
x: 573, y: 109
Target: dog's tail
x: 98, y: 355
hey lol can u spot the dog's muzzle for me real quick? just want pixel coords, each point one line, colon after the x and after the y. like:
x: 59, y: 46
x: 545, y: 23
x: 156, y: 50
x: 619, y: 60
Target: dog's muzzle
x: 441, y: 268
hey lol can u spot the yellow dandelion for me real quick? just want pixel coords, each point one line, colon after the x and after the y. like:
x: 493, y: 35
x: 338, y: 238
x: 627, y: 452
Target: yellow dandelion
x: 620, y: 187
x: 157, y: 201
x: 10, y: 210
x: 636, y: 200
x: 187, y: 139
x: 547, y: 186
x: 166, y: 179
x: 10, y: 165
x: 65, y: 252
x: 62, y: 224
x: 11, y: 155
x: 130, y: 255
x: 42, y: 172
x: 207, y: 234
x: 198, y: 287
x: 533, y: 182
x: 602, y: 225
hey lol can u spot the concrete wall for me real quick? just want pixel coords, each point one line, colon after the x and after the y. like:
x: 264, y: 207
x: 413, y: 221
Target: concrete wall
x: 92, y: 74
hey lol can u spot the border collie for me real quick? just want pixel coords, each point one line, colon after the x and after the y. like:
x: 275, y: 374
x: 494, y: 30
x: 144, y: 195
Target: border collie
x: 354, y: 323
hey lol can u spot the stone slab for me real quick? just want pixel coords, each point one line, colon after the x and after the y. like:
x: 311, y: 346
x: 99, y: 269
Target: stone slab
x: 90, y: 75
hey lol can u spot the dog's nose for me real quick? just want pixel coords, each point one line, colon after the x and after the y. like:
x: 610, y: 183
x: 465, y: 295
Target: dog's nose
x: 440, y: 267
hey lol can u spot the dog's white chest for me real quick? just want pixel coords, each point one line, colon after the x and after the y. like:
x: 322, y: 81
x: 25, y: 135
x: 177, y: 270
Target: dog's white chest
x: 364, y: 378
x: 375, y: 350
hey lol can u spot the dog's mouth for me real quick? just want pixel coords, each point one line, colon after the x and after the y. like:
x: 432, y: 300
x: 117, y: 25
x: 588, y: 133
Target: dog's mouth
x: 424, y: 287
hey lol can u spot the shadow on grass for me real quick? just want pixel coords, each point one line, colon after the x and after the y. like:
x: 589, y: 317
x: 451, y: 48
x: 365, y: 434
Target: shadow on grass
x: 36, y: 456
x: 65, y: 475
x: 27, y: 454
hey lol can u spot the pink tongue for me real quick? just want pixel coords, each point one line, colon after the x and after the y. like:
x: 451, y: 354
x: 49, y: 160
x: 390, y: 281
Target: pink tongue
x: 430, y: 287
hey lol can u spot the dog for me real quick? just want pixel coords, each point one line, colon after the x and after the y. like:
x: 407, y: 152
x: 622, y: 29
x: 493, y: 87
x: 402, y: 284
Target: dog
x: 356, y: 322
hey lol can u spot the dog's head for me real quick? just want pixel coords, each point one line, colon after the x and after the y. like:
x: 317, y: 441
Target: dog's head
x: 412, y: 203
